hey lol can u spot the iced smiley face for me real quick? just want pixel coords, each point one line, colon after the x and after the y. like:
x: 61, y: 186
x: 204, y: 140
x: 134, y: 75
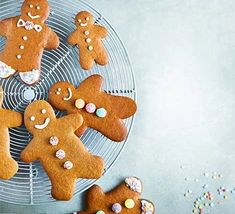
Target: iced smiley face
x: 84, y: 19
x: 34, y: 10
x: 62, y: 94
x: 38, y: 116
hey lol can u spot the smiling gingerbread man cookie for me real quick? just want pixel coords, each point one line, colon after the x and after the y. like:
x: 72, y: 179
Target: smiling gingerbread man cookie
x: 101, y: 111
x: 124, y: 199
x: 59, y: 150
x: 27, y: 36
x: 8, y: 119
x: 88, y: 37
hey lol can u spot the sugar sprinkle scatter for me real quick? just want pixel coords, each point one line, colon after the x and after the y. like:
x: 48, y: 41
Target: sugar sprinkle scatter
x: 209, y: 198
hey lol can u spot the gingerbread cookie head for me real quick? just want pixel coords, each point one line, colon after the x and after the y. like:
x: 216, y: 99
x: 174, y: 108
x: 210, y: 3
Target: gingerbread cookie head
x: 63, y: 94
x: 124, y: 199
x: 38, y: 116
x: 84, y: 19
x: 35, y: 10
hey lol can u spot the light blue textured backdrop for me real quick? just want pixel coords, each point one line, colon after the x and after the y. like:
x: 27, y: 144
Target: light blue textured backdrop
x: 183, y: 55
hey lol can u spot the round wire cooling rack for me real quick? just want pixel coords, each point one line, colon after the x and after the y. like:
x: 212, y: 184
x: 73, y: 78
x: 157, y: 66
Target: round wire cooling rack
x: 31, y: 186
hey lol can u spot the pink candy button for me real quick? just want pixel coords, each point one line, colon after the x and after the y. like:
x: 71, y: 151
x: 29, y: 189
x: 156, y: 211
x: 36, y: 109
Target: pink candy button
x: 90, y: 108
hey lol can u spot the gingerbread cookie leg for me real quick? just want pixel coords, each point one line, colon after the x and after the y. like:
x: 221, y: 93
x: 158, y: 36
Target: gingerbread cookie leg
x: 30, y: 77
x: 62, y: 187
x: 8, y: 166
x: 101, y: 56
x: 86, y: 60
x: 8, y: 119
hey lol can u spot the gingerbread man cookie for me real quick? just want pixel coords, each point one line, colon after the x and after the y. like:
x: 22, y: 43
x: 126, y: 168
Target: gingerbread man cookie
x: 88, y: 37
x: 27, y: 36
x: 123, y: 199
x: 101, y: 111
x: 8, y: 119
x: 59, y: 150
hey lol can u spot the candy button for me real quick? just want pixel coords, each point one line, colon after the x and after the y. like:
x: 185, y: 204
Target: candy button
x: 88, y: 40
x: 68, y: 165
x: 100, y: 212
x: 129, y: 203
x: 60, y: 154
x: 117, y: 208
x: 90, y: 108
x: 80, y: 103
x: 54, y: 140
x: 101, y: 112
x: 90, y: 48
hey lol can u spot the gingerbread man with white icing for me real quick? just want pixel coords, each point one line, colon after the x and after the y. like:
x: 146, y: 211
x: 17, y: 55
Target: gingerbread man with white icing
x: 100, y: 110
x: 124, y: 199
x: 8, y: 119
x: 27, y: 36
x: 60, y: 151
x: 88, y: 37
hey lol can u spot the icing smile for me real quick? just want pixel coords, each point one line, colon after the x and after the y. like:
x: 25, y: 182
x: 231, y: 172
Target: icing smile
x: 33, y: 17
x: 70, y: 95
x: 44, y: 125
x: 83, y: 24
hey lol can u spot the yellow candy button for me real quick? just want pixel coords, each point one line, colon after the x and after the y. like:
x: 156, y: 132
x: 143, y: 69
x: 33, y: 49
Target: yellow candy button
x: 80, y: 103
x: 129, y: 203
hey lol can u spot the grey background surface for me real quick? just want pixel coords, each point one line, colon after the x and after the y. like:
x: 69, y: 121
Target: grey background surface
x: 183, y: 57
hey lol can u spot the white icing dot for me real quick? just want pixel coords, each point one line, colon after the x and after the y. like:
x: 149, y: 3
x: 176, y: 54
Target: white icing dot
x: 60, y: 154
x: 21, y: 47
x: 44, y: 111
x: 59, y: 89
x: 18, y: 56
x: 86, y: 32
x: 31, y: 6
x: 58, y: 93
x: 68, y: 165
x: 90, y: 48
x: 87, y: 18
x: 79, y: 20
x: 88, y: 40
x: 38, y: 8
x: 25, y: 38
x: 32, y: 118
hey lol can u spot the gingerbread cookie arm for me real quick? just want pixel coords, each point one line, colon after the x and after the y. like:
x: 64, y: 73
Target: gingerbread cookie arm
x: 31, y: 152
x: 4, y: 24
x: 92, y: 83
x: 73, y: 38
x: 124, y: 107
x: 101, y: 31
x: 94, y: 194
x: 74, y: 120
x: 13, y: 119
x: 53, y: 41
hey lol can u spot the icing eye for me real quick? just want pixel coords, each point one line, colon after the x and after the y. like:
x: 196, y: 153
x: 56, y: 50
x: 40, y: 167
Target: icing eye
x: 79, y: 20
x: 44, y: 111
x: 87, y: 18
x: 38, y: 8
x: 31, y: 6
x: 32, y: 118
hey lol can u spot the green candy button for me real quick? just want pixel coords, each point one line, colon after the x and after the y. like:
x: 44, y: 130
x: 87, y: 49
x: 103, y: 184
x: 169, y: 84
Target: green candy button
x: 101, y: 112
x: 100, y: 212
x: 129, y: 203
